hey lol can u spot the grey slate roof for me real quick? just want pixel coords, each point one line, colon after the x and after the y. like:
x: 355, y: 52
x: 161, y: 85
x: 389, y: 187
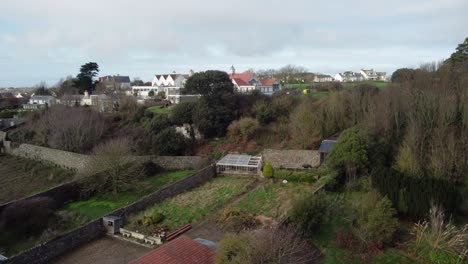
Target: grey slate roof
x: 326, y: 145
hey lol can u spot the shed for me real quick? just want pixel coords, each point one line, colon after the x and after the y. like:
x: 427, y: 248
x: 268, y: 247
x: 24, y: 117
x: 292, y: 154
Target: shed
x: 112, y: 224
x: 240, y: 165
x: 326, y: 146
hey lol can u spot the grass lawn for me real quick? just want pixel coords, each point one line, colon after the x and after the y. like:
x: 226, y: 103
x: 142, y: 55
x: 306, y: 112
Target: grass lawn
x: 192, y: 206
x: 273, y: 199
x: 298, y: 85
x: 319, y: 94
x: 21, y: 177
x: 160, y: 110
x: 105, y: 203
x: 378, y: 84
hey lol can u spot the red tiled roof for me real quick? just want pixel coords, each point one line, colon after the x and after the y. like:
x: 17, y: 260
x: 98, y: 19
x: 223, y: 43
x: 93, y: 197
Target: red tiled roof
x: 268, y: 81
x: 243, y: 76
x: 240, y: 82
x: 181, y: 250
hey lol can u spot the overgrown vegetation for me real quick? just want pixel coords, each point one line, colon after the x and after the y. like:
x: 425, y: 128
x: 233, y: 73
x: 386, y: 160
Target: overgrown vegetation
x: 191, y: 206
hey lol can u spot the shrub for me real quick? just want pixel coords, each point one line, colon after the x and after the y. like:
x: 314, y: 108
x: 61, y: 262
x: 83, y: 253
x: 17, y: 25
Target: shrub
x: 309, y: 213
x: 169, y: 142
x: 233, y: 249
x: 28, y: 216
x: 350, y: 154
x: 236, y: 220
x: 277, y: 245
x: 244, y: 128
x: 150, y: 168
x: 375, y: 221
x: 295, y: 176
x: 439, y: 240
x: 264, y: 112
x: 157, y: 218
x: 268, y: 171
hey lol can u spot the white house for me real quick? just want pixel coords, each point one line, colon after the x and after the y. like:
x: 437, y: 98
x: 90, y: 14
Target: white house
x: 248, y: 82
x: 170, y: 85
x: 143, y: 91
x: 318, y: 78
x: 174, y: 80
x: 40, y: 101
x: 349, y: 76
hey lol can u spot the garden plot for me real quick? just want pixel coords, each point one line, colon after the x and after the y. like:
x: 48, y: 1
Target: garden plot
x: 21, y: 177
x: 273, y: 199
x: 104, y: 203
x: 191, y: 206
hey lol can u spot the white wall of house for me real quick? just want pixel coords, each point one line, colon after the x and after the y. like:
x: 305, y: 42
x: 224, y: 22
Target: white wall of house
x: 144, y: 91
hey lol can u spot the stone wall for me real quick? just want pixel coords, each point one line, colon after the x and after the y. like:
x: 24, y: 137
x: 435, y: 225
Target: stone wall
x: 291, y: 159
x: 45, y: 252
x: 79, y: 162
x: 62, y: 158
x: 61, y: 194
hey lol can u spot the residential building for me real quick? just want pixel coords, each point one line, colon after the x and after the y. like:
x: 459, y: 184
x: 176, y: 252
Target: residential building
x: 182, y: 250
x: 248, y: 82
x: 349, y: 76
x: 143, y: 91
x: 99, y: 102
x: 40, y: 101
x: 372, y: 75
x: 170, y: 85
x: 173, y: 80
x: 116, y: 83
x: 319, y: 78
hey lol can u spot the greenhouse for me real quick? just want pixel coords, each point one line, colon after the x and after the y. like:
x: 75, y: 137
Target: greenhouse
x: 236, y: 164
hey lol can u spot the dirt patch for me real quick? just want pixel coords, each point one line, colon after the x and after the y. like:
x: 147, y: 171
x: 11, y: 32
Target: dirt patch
x: 106, y: 250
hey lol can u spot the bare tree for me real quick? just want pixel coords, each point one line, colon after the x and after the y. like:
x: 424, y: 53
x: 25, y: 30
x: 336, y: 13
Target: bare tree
x: 274, y: 246
x: 110, y: 161
x: 70, y: 128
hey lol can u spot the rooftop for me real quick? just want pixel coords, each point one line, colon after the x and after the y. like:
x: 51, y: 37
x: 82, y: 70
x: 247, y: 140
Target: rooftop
x: 240, y: 160
x: 182, y: 250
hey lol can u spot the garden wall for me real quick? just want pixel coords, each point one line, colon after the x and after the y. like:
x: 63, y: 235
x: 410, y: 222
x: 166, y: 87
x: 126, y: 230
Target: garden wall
x: 61, y: 194
x: 62, y: 158
x: 79, y: 162
x: 291, y: 159
x: 45, y: 252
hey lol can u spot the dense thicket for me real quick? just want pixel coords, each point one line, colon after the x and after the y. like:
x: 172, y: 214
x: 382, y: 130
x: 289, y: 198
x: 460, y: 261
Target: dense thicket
x: 413, y: 196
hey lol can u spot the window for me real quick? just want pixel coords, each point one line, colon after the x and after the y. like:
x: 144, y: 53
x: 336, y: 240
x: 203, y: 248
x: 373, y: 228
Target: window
x: 110, y: 223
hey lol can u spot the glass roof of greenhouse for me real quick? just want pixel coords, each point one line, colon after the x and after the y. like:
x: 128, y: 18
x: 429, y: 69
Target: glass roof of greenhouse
x: 240, y: 160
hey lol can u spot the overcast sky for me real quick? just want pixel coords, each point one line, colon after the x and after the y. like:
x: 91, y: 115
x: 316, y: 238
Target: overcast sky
x: 45, y: 40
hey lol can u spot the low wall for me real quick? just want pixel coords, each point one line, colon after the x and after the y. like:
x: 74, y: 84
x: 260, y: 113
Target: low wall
x: 80, y: 162
x: 46, y: 252
x: 61, y: 194
x: 62, y: 158
x: 291, y: 159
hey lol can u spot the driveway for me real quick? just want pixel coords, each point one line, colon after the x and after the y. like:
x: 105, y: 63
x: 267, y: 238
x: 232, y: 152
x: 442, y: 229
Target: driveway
x: 106, y: 250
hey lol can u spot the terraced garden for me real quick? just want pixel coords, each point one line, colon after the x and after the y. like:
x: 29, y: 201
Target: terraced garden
x: 21, y: 177
x: 104, y: 203
x: 192, y: 206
